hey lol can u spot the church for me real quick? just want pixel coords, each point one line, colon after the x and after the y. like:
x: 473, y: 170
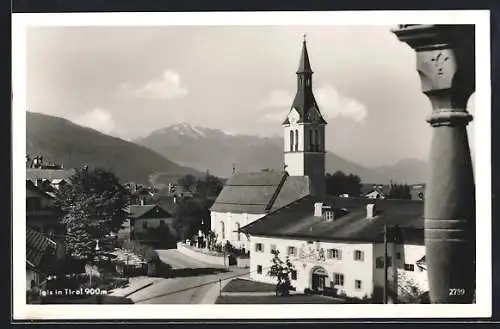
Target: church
x: 247, y: 197
x: 335, y: 244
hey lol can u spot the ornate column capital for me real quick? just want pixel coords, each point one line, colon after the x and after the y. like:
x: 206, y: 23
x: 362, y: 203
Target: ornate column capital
x: 446, y: 66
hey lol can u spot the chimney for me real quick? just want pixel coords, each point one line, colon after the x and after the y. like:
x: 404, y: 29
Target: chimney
x: 318, y: 209
x: 370, y: 210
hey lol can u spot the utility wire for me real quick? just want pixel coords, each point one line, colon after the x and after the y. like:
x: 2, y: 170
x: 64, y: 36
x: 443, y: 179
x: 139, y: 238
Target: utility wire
x: 214, y: 281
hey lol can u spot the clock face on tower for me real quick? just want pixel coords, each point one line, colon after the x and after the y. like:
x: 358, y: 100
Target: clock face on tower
x: 293, y: 117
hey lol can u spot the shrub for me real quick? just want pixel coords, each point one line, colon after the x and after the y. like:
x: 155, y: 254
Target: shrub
x: 307, y: 291
x: 145, y: 252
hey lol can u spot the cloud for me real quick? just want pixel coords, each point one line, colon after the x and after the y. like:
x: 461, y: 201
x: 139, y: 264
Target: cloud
x: 277, y: 98
x: 98, y: 119
x: 331, y: 103
x: 167, y: 87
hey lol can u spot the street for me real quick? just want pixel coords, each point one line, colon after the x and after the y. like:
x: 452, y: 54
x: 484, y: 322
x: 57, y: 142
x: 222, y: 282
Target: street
x: 189, y: 282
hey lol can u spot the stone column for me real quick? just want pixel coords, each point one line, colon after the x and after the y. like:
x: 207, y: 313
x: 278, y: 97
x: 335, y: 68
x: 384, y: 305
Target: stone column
x: 445, y: 63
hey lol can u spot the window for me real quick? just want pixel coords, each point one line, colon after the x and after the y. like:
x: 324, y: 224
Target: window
x: 238, y: 230
x: 379, y: 262
x: 338, y: 279
x: 259, y: 269
x: 357, y: 284
x: 296, y: 140
x: 273, y: 247
x: 291, y: 140
x: 334, y: 254
x: 259, y: 247
x: 409, y: 267
x: 292, y: 251
x: 359, y: 255
x: 311, y: 140
x: 398, y: 255
x: 294, y: 275
x: 316, y: 138
x: 222, y: 230
x: 329, y: 215
x: 144, y: 224
x: 162, y: 222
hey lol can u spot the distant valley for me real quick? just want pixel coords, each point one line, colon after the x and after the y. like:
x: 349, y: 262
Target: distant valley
x: 212, y: 149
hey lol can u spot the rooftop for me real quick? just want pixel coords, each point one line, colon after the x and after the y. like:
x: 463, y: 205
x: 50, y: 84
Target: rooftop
x: 39, y: 250
x: 297, y: 220
x: 153, y: 210
x: 259, y: 193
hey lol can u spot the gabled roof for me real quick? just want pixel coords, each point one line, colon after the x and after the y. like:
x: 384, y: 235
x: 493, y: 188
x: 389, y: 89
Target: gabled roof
x: 259, y: 193
x: 40, y: 250
x: 147, y: 211
x: 297, y: 220
x: 31, y: 186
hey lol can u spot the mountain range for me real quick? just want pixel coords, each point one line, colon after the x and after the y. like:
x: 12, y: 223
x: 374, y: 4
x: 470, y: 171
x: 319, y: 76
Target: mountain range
x: 168, y: 153
x: 63, y: 142
x: 204, y: 148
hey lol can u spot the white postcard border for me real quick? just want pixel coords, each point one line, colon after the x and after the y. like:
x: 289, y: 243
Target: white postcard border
x: 482, y: 119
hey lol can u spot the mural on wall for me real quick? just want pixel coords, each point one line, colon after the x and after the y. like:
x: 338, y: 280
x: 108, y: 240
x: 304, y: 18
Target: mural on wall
x: 311, y: 253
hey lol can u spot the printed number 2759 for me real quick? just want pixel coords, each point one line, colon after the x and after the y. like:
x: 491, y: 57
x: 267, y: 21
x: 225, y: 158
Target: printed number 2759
x: 456, y: 292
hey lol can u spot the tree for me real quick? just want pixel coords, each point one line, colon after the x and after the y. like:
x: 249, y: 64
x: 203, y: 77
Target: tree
x: 93, y: 207
x: 399, y: 191
x: 211, y: 239
x: 187, y: 182
x: 282, y: 271
x: 409, y: 291
x: 341, y: 183
x: 190, y: 214
x: 209, y: 186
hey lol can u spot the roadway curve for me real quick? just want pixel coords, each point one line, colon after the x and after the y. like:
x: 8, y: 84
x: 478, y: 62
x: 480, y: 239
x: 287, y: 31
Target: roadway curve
x: 190, y: 282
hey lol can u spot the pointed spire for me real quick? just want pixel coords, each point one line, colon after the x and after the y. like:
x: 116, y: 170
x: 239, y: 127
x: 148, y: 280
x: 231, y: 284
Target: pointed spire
x: 304, y: 65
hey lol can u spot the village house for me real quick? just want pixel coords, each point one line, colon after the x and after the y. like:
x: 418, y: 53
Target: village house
x: 338, y: 244
x: 41, y: 258
x: 151, y: 224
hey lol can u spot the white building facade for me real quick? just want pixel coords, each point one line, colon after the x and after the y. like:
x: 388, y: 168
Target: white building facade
x: 352, y: 268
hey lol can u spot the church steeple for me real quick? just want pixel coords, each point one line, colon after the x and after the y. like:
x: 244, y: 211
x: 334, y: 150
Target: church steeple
x: 304, y: 102
x: 304, y: 64
x: 304, y: 130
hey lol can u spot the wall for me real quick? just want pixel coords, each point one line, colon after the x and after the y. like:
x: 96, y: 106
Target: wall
x: 152, y: 223
x: 351, y: 269
x: 45, y: 201
x: 202, y: 257
x: 230, y: 221
x: 409, y: 254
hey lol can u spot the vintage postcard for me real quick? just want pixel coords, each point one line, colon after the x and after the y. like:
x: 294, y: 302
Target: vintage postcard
x: 224, y: 165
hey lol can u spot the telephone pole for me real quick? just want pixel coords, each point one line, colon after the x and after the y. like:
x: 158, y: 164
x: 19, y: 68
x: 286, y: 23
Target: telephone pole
x: 385, y: 265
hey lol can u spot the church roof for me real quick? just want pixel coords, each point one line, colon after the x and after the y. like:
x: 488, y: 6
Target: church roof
x: 297, y: 221
x: 304, y: 64
x: 304, y: 100
x: 259, y: 193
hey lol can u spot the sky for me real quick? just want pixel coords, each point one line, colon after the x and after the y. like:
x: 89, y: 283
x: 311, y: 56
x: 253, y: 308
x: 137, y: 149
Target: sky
x: 129, y: 81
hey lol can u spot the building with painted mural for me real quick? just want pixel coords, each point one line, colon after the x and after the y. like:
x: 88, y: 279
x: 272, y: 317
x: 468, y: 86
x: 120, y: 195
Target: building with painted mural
x: 337, y: 244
